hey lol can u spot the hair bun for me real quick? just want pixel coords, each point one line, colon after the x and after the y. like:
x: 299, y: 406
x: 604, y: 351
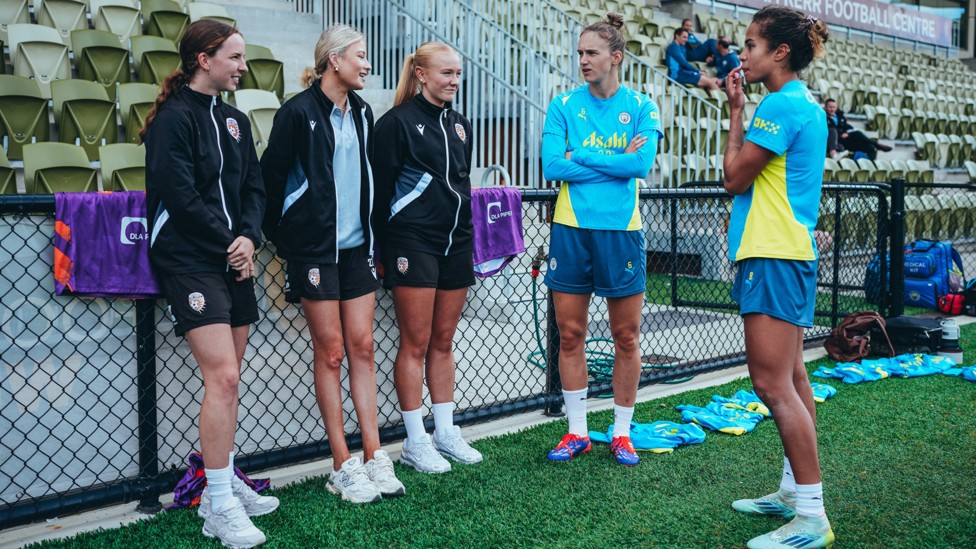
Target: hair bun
x: 615, y: 20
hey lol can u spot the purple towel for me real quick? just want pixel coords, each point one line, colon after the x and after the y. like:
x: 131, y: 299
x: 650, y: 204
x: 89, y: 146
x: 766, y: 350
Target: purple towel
x: 189, y: 489
x: 101, y: 245
x: 496, y: 213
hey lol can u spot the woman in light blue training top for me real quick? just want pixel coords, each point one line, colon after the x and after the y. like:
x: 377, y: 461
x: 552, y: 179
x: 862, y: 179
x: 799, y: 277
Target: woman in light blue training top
x: 776, y: 175
x: 598, y: 139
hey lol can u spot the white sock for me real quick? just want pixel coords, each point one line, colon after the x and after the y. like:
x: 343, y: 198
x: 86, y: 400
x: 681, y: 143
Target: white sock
x: 621, y: 420
x: 787, y: 484
x: 218, y: 481
x: 576, y: 411
x: 444, y: 418
x: 414, y: 422
x: 809, y: 500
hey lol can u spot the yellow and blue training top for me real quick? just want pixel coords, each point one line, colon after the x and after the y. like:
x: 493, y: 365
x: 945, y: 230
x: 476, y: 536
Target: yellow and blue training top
x: 775, y: 218
x: 599, y: 189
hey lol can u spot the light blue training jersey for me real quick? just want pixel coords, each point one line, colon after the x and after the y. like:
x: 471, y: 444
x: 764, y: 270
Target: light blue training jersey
x: 599, y: 189
x: 775, y: 218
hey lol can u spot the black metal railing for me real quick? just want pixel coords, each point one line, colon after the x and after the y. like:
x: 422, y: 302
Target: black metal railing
x: 99, y: 398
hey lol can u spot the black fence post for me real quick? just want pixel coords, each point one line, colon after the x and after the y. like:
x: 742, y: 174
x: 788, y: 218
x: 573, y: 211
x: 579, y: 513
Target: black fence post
x: 896, y: 276
x: 147, y: 487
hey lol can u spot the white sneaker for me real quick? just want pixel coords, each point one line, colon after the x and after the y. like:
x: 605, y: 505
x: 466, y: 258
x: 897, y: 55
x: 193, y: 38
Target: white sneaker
x: 255, y: 504
x: 839, y: 155
x: 352, y: 482
x: 231, y: 525
x: 455, y: 447
x: 422, y: 456
x: 380, y: 471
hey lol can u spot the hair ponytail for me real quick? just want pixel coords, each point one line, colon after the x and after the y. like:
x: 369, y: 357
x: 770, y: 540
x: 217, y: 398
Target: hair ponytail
x: 173, y: 83
x: 804, y: 34
x: 408, y: 86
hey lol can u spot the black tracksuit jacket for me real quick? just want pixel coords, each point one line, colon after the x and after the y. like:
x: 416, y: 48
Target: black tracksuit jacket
x: 203, y: 183
x: 297, y: 167
x: 423, y: 189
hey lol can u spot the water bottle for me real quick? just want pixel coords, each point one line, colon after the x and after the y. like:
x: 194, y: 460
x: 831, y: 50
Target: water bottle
x: 950, y: 341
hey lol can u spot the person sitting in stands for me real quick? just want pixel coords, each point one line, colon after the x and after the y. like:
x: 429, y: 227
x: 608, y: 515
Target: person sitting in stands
x: 852, y: 140
x: 725, y: 60
x: 680, y: 69
x: 697, y: 50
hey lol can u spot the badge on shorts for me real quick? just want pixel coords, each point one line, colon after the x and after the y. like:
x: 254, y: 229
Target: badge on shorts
x: 197, y: 302
x: 461, y: 133
x: 403, y: 265
x: 552, y: 264
x: 234, y: 129
x: 313, y: 277
x: 624, y: 118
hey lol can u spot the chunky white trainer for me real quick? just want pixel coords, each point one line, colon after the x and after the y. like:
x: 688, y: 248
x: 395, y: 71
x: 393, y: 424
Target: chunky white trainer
x: 231, y: 525
x: 422, y: 456
x: 381, y: 473
x: 455, y: 447
x: 255, y: 504
x: 352, y: 482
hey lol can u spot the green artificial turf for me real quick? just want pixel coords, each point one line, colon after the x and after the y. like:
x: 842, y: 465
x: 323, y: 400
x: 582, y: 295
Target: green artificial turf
x: 897, y: 456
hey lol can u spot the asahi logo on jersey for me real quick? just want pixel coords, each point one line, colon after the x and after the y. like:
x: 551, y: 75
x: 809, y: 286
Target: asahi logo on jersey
x: 615, y: 141
x: 197, y: 302
x: 133, y: 229
x: 234, y: 129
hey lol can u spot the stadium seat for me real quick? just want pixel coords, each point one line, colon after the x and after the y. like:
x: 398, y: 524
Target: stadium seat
x: 135, y: 101
x: 164, y: 18
x: 264, y: 72
x: 85, y: 115
x: 63, y: 16
x: 875, y: 174
x: 914, y: 218
x: 971, y: 170
x: 23, y: 114
x: 858, y: 174
x: 57, y: 167
x: 155, y: 58
x: 98, y: 57
x: 217, y: 12
x: 12, y: 12
x: 934, y: 216
x: 924, y: 147
x: 8, y: 178
x: 37, y: 52
x: 123, y: 167
x: 833, y: 171
x: 119, y: 17
x: 260, y: 107
x: 942, y: 149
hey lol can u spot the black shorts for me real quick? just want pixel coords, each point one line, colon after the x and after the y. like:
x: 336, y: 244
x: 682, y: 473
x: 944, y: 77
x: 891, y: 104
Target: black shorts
x: 354, y: 276
x: 199, y: 299
x: 422, y: 270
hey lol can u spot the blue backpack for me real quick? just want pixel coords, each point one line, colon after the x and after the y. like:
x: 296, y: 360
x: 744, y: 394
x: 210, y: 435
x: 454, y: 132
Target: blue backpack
x: 932, y: 270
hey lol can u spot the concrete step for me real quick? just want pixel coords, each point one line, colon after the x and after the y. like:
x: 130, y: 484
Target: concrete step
x: 279, y: 5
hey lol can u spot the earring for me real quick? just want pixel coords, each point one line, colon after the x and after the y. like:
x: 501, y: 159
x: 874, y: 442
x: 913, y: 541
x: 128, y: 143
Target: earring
x: 336, y: 68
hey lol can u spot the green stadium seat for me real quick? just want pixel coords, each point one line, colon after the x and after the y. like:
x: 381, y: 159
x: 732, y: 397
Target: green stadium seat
x: 164, y: 18
x: 858, y: 174
x: 62, y: 15
x: 264, y: 72
x: 85, y: 115
x: 260, y: 107
x: 203, y: 10
x: 934, y: 216
x: 57, y: 167
x: 135, y: 101
x: 914, y: 218
x: 119, y: 17
x: 834, y: 172
x: 8, y: 178
x: 875, y: 175
x: 23, y: 114
x: 13, y: 12
x: 99, y: 58
x: 37, y: 52
x: 123, y: 167
x: 155, y: 58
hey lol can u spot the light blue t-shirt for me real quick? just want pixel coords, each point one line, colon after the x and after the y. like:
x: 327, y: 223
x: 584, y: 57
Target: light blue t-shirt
x: 348, y: 173
x: 775, y: 218
x: 599, y: 188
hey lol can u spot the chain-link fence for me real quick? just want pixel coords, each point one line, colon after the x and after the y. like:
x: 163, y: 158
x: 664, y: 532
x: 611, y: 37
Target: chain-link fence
x: 99, y: 398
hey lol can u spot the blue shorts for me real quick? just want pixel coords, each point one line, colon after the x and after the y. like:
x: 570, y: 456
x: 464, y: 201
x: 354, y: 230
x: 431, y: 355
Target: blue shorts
x: 781, y: 288
x: 586, y: 261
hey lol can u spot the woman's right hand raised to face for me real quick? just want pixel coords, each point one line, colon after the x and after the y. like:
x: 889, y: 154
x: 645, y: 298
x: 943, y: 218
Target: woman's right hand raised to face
x: 734, y: 89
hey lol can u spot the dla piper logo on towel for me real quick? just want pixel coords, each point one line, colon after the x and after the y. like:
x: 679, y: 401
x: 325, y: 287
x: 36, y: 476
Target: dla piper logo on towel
x: 129, y: 232
x: 498, y: 214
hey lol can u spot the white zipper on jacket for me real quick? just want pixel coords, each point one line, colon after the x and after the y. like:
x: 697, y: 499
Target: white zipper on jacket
x: 369, y: 175
x: 447, y: 179
x: 220, y: 173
